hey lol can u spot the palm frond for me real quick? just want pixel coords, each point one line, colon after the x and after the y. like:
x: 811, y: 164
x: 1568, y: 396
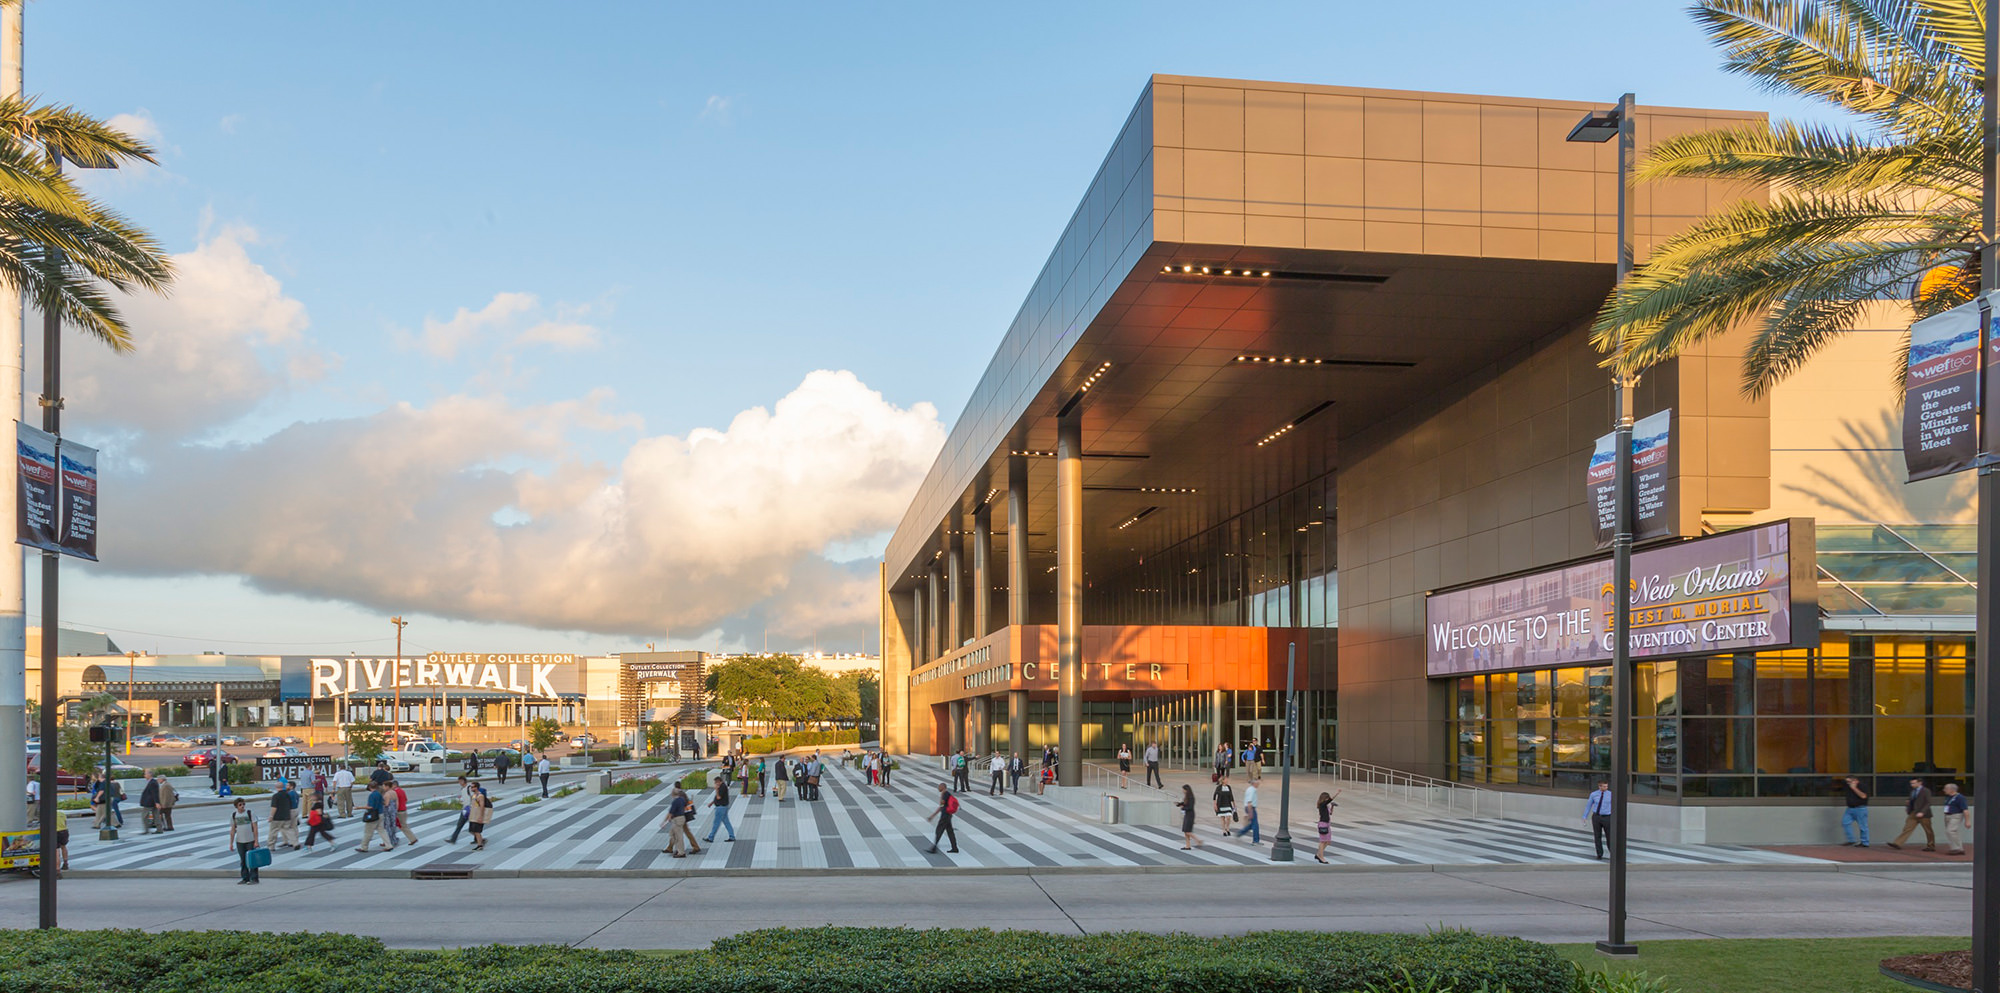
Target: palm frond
x: 77, y: 136
x: 1833, y: 51
x: 1818, y: 158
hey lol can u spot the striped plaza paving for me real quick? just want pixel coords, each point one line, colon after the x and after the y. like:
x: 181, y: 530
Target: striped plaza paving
x: 858, y: 827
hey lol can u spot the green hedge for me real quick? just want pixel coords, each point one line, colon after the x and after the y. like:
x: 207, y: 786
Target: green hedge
x: 636, y: 784
x: 695, y: 780
x: 833, y: 960
x: 610, y: 753
x: 800, y: 739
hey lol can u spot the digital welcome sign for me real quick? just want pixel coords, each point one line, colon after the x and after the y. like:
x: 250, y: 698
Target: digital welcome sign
x: 1753, y: 588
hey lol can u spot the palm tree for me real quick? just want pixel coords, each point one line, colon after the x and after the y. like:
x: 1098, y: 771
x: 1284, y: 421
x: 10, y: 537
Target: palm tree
x: 1889, y: 210
x: 61, y: 247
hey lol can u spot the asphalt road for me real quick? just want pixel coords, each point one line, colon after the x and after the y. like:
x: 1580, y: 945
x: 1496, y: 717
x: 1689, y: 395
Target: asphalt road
x: 1540, y: 903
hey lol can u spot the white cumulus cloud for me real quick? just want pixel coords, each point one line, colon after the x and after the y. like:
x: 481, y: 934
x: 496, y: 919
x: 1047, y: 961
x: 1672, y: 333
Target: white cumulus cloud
x: 444, y: 339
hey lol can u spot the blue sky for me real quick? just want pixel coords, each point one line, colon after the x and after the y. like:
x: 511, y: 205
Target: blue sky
x: 552, y: 242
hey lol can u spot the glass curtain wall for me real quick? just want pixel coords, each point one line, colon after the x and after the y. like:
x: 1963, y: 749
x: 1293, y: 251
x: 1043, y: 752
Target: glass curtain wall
x: 1770, y: 724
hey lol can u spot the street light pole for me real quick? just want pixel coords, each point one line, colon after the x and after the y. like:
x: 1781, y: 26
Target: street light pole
x: 1600, y: 126
x: 1986, y: 690
x: 131, y: 670
x: 396, y: 680
x: 1281, y: 846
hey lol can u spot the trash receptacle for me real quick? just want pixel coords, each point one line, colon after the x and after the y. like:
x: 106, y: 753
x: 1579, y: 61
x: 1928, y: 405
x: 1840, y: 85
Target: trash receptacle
x: 1113, y: 809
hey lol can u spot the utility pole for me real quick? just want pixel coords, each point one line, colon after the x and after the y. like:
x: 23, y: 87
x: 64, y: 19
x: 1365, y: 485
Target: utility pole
x: 13, y: 578
x: 1986, y: 686
x: 396, y: 678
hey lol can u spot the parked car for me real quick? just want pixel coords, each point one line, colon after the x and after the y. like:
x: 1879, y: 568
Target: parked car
x: 487, y: 755
x: 199, y: 758
x: 395, y: 764
x: 231, y: 739
x: 584, y: 740
x: 64, y: 780
x: 162, y: 740
x: 291, y: 739
x: 284, y: 752
x: 201, y: 740
x: 267, y: 741
x: 424, y: 754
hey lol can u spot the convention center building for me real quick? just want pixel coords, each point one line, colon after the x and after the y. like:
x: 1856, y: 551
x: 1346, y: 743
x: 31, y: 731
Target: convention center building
x: 1304, y: 397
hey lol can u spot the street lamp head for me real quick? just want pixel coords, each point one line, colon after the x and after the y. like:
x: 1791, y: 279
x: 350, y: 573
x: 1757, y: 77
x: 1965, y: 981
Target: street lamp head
x: 1597, y: 127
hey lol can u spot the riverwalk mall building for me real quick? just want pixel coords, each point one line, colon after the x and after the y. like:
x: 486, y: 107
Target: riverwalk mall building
x: 1307, y: 375
x: 463, y: 697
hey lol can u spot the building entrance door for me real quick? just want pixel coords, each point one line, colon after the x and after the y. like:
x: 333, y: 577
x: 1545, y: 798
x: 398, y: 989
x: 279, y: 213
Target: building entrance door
x: 1267, y: 734
x: 1183, y: 744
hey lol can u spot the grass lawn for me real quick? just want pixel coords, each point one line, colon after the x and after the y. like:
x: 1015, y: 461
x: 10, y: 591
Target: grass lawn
x: 1776, y: 965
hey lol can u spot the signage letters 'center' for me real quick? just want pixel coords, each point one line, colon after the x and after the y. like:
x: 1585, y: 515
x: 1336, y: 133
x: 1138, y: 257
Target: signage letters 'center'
x: 523, y: 675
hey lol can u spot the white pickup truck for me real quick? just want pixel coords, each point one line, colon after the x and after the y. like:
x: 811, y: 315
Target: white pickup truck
x: 422, y: 756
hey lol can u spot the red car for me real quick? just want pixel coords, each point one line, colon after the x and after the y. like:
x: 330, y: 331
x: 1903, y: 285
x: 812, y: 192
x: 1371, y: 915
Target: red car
x: 64, y: 780
x: 199, y: 758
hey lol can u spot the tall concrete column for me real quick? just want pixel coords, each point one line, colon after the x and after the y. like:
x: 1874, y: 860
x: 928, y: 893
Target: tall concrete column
x: 982, y: 572
x: 1215, y: 719
x: 1017, y: 723
x: 917, y: 628
x: 954, y: 571
x: 13, y: 582
x: 982, y: 722
x: 1017, y: 540
x: 931, y: 633
x: 955, y: 735
x: 1069, y: 600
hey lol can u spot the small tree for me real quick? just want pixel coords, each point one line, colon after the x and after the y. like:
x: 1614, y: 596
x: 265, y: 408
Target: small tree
x: 367, y: 740
x: 542, y: 733
x: 657, y: 734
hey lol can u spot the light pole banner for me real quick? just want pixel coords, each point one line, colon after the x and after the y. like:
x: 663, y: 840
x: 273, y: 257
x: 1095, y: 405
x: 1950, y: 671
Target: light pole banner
x: 35, y: 453
x: 79, y: 500
x: 1941, y: 393
x: 1653, y: 514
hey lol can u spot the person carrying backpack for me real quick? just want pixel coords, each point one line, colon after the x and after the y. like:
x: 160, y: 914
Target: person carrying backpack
x: 947, y: 806
x: 318, y: 825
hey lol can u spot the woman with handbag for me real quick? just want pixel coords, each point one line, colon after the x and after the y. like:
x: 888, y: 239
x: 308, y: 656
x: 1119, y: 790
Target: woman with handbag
x: 1326, y: 806
x: 1187, y: 817
x: 243, y: 838
x: 480, y: 811
x: 1225, y: 803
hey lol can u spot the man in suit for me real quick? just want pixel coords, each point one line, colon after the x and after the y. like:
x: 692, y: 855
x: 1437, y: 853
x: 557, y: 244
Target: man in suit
x: 1597, y: 813
x: 1917, y: 814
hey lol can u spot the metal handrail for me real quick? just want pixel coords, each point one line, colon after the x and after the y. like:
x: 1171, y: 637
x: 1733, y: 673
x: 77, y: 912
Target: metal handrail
x: 1391, y: 782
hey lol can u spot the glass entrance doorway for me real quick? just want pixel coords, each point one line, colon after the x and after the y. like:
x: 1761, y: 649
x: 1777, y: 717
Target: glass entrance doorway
x: 1267, y: 734
x: 1183, y: 744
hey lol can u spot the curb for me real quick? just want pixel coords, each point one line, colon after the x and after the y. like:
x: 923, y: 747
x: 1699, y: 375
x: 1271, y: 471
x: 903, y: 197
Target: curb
x: 1134, y: 870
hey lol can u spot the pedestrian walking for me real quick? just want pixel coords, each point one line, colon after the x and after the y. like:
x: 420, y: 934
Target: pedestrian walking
x: 887, y: 764
x: 1917, y: 814
x: 149, y: 803
x: 781, y: 777
x: 946, y: 808
x: 1152, y: 757
x: 402, y: 813
x: 375, y: 818
x: 542, y: 770
x: 1124, y: 764
x: 380, y: 774
x: 465, y: 803
x: 318, y: 825
x: 343, y: 790
x: 1957, y: 817
x: 996, y: 769
x: 1225, y: 804
x: 472, y: 763
x: 680, y: 841
x: 168, y: 797
x: 799, y: 781
x: 757, y: 780
x: 1856, y: 812
x: 482, y: 813
x: 282, y: 800
x: 1326, y: 806
x: 62, y: 838
x: 501, y: 763
x: 1250, y: 813
x: 1015, y: 767
x: 1597, y: 814
x: 1187, y: 817
x: 720, y: 804
x: 243, y: 838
